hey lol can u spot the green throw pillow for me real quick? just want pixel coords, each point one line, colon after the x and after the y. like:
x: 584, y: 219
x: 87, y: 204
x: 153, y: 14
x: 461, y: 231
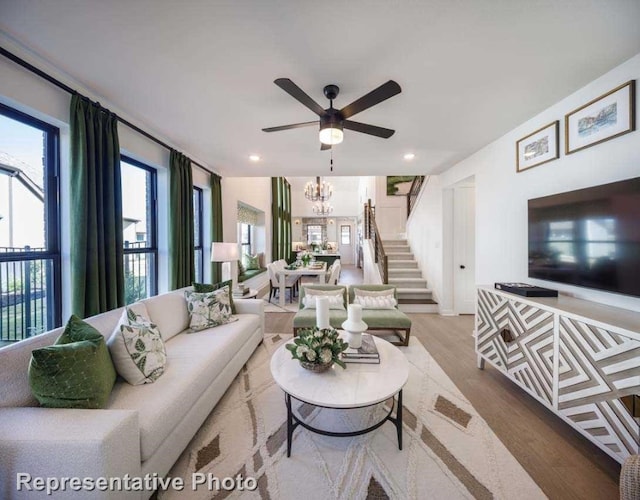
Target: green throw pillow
x: 206, y: 288
x: 75, y: 372
x: 241, y: 268
x: 251, y: 262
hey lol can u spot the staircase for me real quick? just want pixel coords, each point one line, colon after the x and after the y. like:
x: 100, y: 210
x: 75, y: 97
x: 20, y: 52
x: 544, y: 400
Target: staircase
x: 405, y: 274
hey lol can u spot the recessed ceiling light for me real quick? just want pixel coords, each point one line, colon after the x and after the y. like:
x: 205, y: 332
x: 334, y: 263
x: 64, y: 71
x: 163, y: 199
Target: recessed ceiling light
x: 409, y: 156
x: 254, y: 157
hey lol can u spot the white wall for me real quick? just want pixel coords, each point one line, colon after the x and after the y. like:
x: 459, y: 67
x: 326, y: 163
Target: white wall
x: 391, y: 211
x: 424, y: 231
x: 502, y: 194
x: 344, y: 200
x: 252, y: 191
x: 22, y: 90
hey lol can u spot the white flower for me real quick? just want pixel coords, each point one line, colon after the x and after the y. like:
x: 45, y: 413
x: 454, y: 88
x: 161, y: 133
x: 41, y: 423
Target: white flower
x: 325, y: 355
x: 301, y: 350
x: 318, y: 334
x: 311, y: 355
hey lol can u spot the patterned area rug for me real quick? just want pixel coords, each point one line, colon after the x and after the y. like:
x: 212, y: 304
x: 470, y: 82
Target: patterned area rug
x: 449, y: 450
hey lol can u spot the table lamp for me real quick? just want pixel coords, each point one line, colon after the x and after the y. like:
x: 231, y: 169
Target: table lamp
x: 225, y: 253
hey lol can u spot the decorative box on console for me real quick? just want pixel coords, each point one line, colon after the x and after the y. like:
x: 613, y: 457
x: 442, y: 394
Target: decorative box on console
x: 526, y: 290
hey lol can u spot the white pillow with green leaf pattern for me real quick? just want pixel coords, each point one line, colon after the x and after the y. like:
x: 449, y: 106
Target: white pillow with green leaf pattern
x: 137, y: 349
x: 209, y: 309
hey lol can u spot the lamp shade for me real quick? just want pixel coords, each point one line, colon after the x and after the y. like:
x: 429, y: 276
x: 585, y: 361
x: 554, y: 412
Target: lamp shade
x: 331, y: 135
x: 224, y: 252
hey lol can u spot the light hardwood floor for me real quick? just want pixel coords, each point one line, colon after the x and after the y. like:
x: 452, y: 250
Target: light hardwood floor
x: 563, y: 463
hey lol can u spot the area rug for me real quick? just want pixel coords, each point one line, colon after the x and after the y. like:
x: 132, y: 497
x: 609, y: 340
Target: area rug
x: 449, y: 450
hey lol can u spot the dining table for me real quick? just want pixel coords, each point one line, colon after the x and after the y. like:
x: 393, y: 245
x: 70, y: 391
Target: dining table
x: 318, y: 269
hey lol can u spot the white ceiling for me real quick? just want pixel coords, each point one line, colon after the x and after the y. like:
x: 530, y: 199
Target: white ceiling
x: 200, y: 72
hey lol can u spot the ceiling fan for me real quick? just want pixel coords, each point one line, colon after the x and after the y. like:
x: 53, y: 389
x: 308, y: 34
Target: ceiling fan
x: 333, y: 121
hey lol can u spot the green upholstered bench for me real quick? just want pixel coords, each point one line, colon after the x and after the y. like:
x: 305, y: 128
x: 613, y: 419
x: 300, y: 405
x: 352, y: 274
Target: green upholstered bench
x: 306, y: 318
x: 384, y: 319
x: 250, y: 273
x: 392, y: 320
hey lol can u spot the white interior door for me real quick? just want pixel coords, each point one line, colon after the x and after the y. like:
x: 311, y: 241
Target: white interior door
x: 346, y: 242
x: 464, y: 243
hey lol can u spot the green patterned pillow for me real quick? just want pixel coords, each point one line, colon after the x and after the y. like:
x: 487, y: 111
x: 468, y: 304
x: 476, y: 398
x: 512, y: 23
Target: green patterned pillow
x: 241, y: 268
x: 251, y: 262
x: 204, y: 288
x: 208, y: 309
x: 137, y: 349
x: 75, y: 372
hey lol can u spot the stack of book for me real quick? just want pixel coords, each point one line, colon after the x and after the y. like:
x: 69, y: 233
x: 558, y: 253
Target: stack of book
x: 366, y: 353
x: 240, y: 291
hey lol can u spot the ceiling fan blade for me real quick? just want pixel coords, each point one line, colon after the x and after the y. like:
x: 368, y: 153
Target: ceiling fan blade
x: 288, y: 127
x: 324, y: 147
x: 368, y: 129
x: 297, y: 93
x: 382, y: 93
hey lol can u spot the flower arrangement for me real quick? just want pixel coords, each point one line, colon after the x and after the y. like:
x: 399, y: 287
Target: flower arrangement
x: 305, y: 256
x: 317, y: 349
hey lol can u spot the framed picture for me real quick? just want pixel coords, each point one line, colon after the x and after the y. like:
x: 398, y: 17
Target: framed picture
x: 399, y: 185
x: 538, y: 147
x: 608, y: 116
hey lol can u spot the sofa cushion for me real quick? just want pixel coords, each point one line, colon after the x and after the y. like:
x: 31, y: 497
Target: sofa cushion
x: 206, y: 287
x: 306, y: 318
x: 193, y: 363
x: 250, y: 274
x: 251, y: 262
x: 315, y: 288
x: 208, y: 310
x: 385, y: 318
x: 75, y: 372
x: 169, y: 312
x: 382, y: 302
x: 137, y: 349
x: 335, y: 299
x: 353, y: 289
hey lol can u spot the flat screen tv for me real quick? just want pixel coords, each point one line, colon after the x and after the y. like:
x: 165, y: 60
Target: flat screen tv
x: 589, y: 237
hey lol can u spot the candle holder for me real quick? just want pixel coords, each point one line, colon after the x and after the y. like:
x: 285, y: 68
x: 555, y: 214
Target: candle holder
x: 354, y: 326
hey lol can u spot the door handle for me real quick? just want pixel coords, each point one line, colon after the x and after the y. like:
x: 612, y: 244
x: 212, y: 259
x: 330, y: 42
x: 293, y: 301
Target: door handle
x: 462, y: 267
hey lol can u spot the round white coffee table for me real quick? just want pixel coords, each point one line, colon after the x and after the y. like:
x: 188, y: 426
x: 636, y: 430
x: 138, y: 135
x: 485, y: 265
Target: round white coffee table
x: 357, y: 386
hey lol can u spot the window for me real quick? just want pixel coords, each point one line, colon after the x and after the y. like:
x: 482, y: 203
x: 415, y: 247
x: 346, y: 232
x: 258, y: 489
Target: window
x: 245, y: 239
x: 197, y: 234
x: 30, y: 276
x: 139, y: 188
x: 345, y: 235
x: 314, y: 235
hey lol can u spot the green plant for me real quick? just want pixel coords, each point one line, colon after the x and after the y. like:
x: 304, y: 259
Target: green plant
x: 318, y: 346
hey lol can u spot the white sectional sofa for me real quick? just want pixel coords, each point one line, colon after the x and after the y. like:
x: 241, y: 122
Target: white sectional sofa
x: 145, y: 428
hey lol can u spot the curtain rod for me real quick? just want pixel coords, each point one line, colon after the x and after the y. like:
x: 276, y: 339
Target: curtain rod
x: 21, y: 62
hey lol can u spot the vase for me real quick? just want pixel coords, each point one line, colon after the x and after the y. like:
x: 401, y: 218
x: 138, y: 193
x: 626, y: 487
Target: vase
x: 316, y: 367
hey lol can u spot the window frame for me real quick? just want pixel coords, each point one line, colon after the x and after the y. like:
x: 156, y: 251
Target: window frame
x: 153, y: 213
x: 52, y: 210
x: 249, y: 242
x: 342, y: 226
x: 199, y: 193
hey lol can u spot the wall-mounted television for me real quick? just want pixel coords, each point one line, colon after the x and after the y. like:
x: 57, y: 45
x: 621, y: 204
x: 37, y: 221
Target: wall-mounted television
x: 589, y: 237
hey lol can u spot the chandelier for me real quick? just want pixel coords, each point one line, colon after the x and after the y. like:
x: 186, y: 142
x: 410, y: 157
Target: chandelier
x: 322, y: 208
x: 320, y: 191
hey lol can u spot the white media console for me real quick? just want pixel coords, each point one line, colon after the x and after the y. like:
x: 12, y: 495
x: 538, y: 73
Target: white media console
x: 579, y: 358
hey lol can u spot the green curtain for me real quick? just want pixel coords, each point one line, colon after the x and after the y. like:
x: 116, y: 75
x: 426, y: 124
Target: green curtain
x: 216, y: 223
x: 97, y: 255
x: 182, y: 268
x: 280, y: 219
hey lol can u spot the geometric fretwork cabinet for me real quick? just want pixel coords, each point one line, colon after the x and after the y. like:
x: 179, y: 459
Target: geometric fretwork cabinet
x: 578, y: 358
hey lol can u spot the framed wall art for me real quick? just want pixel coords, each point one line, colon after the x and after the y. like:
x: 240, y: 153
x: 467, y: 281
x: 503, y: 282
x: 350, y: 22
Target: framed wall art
x: 399, y: 185
x: 608, y: 116
x: 539, y: 147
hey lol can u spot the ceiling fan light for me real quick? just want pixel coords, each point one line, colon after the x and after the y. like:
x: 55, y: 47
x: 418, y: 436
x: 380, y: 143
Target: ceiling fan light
x: 331, y: 135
